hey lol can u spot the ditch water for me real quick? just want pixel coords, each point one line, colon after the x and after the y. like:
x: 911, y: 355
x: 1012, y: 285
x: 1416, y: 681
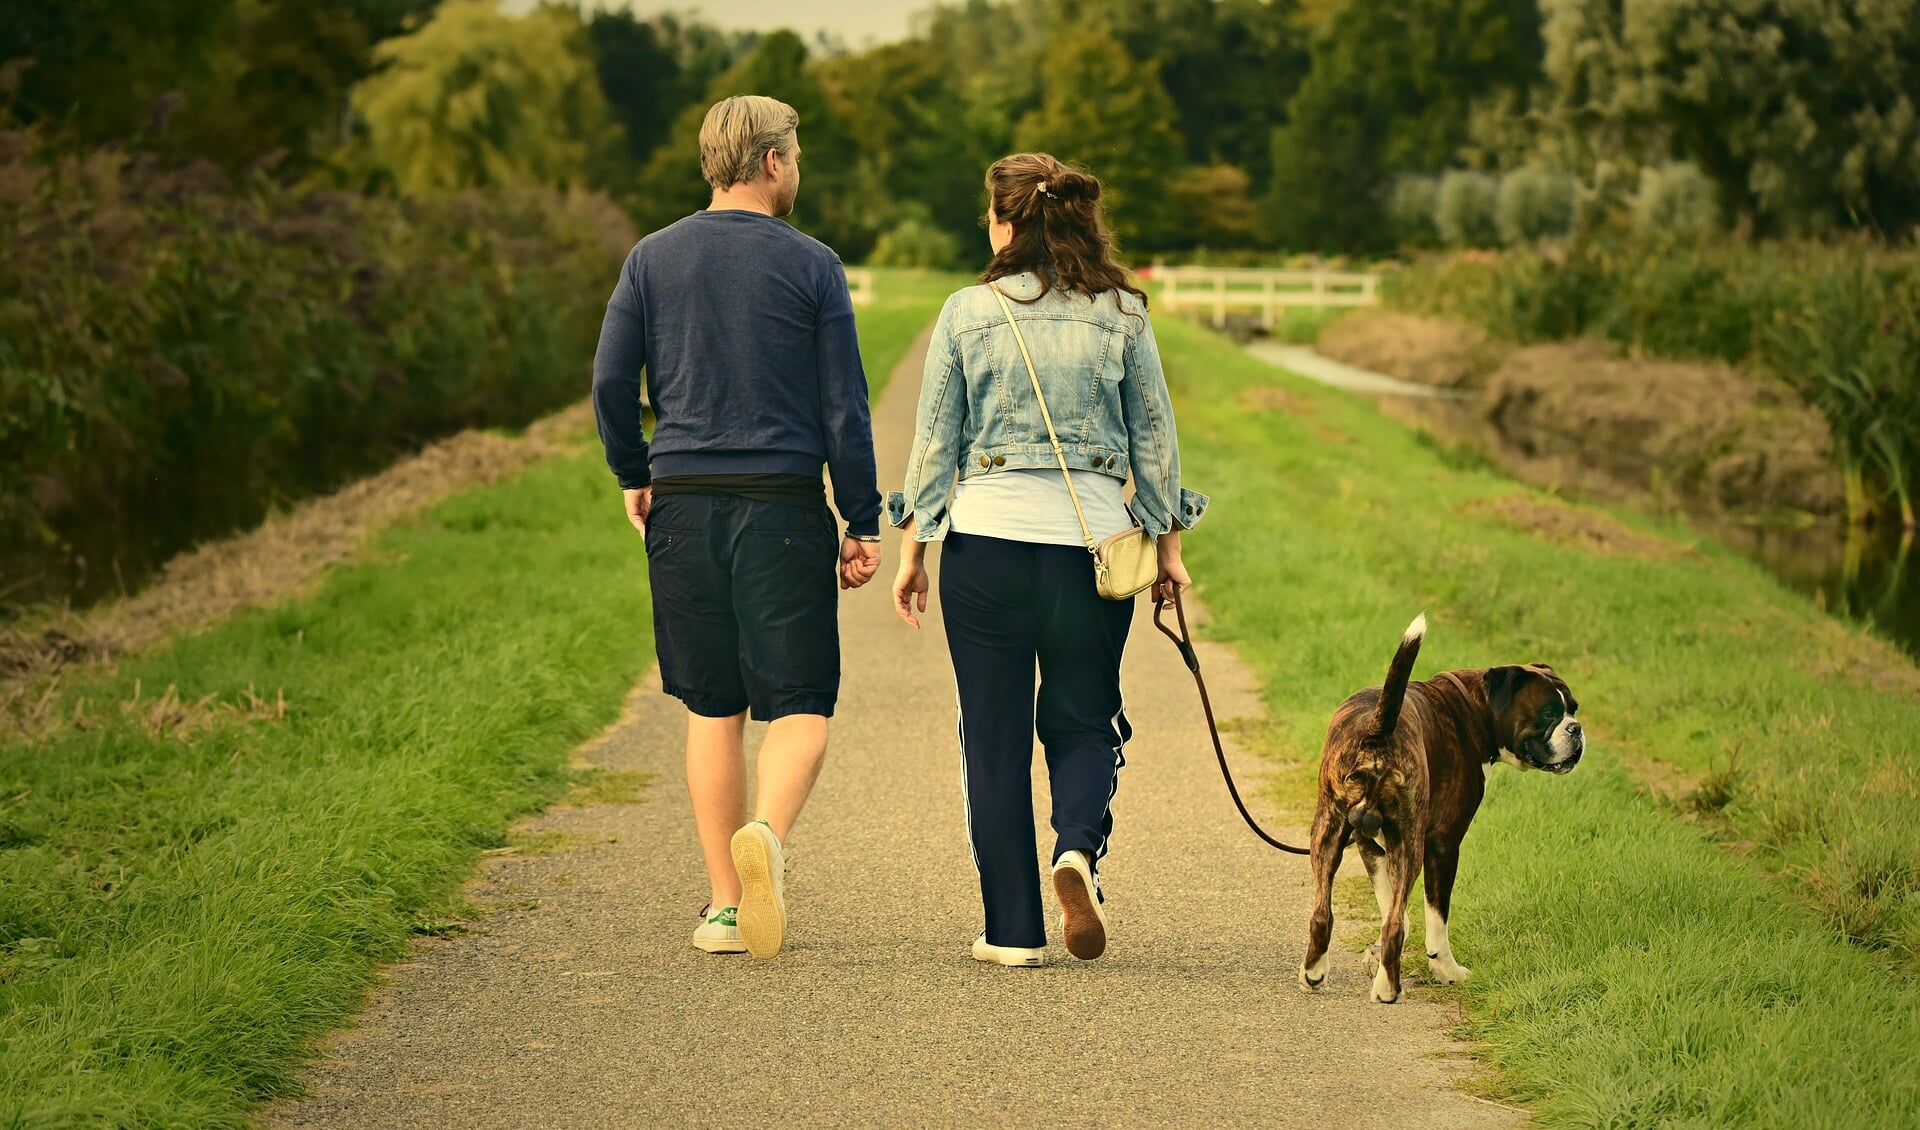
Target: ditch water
x: 1854, y: 575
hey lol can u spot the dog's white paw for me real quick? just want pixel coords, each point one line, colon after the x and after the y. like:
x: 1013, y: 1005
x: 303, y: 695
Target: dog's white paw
x: 1383, y: 991
x: 1447, y: 972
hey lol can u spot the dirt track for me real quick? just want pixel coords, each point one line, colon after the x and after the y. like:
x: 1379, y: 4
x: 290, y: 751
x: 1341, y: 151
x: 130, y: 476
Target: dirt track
x: 590, y: 1009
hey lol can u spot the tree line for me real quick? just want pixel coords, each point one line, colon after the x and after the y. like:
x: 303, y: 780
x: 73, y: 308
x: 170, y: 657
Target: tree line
x: 1324, y: 125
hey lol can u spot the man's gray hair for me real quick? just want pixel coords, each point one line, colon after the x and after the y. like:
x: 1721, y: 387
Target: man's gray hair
x: 738, y: 133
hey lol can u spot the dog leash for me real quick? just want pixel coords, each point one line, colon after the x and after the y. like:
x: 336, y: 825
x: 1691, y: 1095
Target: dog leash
x: 1184, y: 641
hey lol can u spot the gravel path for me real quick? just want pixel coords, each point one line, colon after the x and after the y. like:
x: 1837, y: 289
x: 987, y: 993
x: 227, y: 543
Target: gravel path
x: 580, y: 1003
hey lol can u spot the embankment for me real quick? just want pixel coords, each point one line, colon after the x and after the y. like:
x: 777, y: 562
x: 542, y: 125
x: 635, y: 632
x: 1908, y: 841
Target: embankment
x: 1701, y: 437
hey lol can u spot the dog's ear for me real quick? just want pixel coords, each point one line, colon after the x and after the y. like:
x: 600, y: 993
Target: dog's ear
x: 1502, y: 682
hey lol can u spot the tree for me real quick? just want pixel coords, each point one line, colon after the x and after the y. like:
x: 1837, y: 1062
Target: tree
x: 1216, y: 207
x: 476, y: 98
x: 1229, y: 65
x: 102, y: 64
x: 245, y: 77
x: 650, y: 70
x: 671, y: 185
x: 1110, y: 113
x: 921, y: 144
x: 1805, y: 115
x: 1393, y: 88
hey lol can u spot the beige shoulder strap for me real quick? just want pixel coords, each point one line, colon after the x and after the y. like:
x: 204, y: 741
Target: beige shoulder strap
x: 1085, y: 531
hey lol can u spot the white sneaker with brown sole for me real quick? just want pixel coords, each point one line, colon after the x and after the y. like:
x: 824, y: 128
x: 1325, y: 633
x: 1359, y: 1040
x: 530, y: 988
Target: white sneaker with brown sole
x: 1083, y: 922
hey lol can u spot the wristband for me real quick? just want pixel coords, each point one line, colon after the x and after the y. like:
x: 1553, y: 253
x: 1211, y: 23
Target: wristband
x: 865, y: 537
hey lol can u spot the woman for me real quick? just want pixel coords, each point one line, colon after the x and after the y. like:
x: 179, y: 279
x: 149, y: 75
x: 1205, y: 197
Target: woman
x: 1016, y: 579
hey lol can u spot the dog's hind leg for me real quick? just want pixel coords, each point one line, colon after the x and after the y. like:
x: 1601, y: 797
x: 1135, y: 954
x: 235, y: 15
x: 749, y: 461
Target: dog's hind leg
x: 1400, y: 866
x: 1382, y: 894
x: 1440, y: 870
x: 1327, y: 844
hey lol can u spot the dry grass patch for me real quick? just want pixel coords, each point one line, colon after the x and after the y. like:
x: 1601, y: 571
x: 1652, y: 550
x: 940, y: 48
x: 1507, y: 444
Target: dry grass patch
x: 1586, y: 530
x: 1428, y: 351
x: 1274, y: 398
x: 596, y: 785
x: 1839, y: 651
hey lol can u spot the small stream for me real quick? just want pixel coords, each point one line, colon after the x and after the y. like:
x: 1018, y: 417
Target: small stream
x: 1852, y: 574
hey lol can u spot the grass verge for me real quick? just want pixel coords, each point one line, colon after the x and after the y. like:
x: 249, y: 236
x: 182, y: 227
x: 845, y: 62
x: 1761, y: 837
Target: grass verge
x: 1629, y: 968
x: 904, y: 303
x: 201, y: 865
x: 188, y: 897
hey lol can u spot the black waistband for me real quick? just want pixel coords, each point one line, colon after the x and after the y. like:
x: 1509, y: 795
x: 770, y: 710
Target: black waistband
x: 808, y: 492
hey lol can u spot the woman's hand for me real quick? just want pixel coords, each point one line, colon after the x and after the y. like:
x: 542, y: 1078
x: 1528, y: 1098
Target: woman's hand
x: 912, y: 578
x: 1173, y: 574
x: 911, y: 581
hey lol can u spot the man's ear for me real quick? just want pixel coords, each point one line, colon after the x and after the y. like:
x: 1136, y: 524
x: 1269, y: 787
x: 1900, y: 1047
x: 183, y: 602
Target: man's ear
x: 1502, y: 682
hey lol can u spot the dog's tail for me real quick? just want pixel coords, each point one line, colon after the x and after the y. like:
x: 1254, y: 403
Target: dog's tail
x: 1392, y: 693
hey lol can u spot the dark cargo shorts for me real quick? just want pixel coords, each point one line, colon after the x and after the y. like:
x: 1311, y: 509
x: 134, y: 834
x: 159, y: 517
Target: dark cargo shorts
x: 745, y: 605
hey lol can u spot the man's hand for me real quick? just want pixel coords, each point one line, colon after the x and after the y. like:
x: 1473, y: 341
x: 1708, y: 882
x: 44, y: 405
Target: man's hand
x: 859, y: 561
x: 639, y: 501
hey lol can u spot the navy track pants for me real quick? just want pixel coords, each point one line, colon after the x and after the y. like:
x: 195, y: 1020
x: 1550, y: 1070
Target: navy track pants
x: 1007, y: 604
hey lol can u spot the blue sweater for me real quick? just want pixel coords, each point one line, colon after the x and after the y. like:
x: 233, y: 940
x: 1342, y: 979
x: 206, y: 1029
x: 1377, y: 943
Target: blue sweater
x: 746, y: 333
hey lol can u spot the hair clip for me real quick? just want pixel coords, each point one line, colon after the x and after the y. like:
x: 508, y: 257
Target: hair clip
x: 1044, y: 192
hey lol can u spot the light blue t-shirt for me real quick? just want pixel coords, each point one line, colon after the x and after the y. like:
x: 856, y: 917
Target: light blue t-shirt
x: 1034, y: 506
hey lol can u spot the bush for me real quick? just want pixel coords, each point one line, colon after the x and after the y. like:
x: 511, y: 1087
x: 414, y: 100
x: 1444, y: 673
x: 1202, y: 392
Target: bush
x: 1465, y: 209
x: 1676, y: 199
x: 178, y: 354
x: 1410, y: 210
x: 916, y: 242
x: 1535, y: 204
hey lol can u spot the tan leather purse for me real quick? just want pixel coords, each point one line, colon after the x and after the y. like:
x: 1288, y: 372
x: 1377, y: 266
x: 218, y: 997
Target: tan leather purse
x: 1126, y: 563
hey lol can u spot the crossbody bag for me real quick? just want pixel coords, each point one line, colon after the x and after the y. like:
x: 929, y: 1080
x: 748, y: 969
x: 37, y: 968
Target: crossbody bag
x: 1125, y: 564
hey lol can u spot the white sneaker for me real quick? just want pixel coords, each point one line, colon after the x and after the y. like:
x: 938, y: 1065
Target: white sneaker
x: 719, y: 931
x: 762, y: 865
x: 1083, y: 921
x: 1007, y: 955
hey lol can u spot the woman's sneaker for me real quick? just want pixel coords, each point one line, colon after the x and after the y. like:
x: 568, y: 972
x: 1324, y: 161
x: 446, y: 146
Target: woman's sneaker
x: 762, y: 865
x: 1007, y: 955
x: 719, y: 931
x: 1083, y: 922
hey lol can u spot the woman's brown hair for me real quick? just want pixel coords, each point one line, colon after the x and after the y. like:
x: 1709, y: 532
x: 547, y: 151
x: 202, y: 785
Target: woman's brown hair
x: 1058, y: 231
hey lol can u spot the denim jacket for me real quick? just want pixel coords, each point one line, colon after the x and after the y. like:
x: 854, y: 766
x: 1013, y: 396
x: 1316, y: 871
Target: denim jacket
x: 1100, y: 370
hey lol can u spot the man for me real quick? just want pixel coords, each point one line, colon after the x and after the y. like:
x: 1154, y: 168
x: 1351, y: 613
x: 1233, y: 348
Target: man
x: 745, y: 330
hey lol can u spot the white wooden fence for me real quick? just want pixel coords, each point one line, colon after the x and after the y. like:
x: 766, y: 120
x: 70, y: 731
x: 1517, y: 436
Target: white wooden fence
x: 1265, y: 292
x: 860, y: 285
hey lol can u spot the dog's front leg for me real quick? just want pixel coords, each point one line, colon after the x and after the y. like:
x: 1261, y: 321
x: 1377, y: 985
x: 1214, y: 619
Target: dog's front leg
x: 1327, y: 844
x: 1401, y: 864
x: 1441, y: 864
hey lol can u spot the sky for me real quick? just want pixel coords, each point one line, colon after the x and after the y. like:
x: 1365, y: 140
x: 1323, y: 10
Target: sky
x: 857, y: 23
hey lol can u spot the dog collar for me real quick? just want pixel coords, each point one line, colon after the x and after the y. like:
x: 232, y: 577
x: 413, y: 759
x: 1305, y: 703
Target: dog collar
x: 1494, y: 738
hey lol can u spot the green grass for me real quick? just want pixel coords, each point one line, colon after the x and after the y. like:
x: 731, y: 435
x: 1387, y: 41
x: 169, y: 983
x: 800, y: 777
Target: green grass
x: 193, y: 889
x: 1631, y: 967
x: 199, y: 910
x: 904, y: 303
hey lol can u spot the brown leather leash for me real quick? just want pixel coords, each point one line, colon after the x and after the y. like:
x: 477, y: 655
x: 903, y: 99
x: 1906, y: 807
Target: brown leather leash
x: 1184, y: 641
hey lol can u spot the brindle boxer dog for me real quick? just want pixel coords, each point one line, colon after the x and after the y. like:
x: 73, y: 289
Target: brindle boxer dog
x: 1402, y: 773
